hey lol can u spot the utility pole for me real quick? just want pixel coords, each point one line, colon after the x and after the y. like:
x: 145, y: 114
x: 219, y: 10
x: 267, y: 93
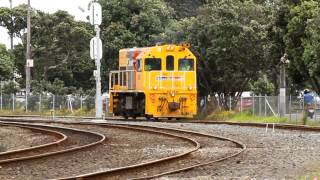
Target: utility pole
x: 96, y: 53
x: 29, y: 62
x: 283, y: 62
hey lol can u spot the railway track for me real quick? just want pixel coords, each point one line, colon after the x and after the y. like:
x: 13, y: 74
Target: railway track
x: 164, y: 166
x: 48, y: 119
x: 141, y: 167
x: 8, y: 156
x: 66, y: 143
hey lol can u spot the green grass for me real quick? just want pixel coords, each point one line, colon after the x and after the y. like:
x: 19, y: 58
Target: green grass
x: 314, y: 172
x: 247, y: 117
x: 49, y: 113
x: 312, y: 176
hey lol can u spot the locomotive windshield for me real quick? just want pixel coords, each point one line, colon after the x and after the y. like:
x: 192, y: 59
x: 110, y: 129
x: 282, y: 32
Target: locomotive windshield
x: 170, y: 63
x: 152, y: 64
x: 186, y: 64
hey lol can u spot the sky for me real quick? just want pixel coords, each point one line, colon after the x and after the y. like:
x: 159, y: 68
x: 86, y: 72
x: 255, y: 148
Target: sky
x: 49, y: 6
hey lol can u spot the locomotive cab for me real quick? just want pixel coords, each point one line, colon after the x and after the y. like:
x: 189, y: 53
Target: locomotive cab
x: 157, y: 82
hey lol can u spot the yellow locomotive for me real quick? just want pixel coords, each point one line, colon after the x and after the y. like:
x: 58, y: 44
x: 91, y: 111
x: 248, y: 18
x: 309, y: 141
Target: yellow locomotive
x: 155, y: 82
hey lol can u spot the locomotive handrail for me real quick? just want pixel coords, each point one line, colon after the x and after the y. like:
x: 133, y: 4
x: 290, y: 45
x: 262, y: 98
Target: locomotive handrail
x: 119, y: 79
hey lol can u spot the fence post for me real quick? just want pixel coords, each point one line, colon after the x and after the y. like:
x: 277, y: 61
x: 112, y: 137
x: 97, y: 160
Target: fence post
x: 259, y: 104
x: 13, y: 101
x: 278, y: 104
x: 1, y: 95
x: 265, y: 105
x: 241, y: 104
x: 290, y: 106
x: 1, y: 101
x: 26, y: 102
x: 315, y: 110
x: 230, y: 103
x: 53, y: 106
x: 40, y: 102
x: 303, y: 103
x: 253, y: 104
x: 81, y: 102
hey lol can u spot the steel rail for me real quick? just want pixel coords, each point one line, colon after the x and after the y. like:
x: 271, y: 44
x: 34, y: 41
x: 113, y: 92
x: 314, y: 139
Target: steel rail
x: 260, y: 125
x: 61, y: 138
x: 162, y: 160
x: 126, y: 168
x: 101, y: 138
x: 186, y: 153
x: 143, y: 165
x: 242, y: 146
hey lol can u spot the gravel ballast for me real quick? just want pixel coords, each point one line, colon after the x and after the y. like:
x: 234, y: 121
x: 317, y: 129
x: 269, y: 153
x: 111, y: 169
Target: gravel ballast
x: 122, y: 148
x: 13, y: 138
x: 283, y: 154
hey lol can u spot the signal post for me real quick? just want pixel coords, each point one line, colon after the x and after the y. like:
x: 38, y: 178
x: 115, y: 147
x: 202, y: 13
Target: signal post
x: 96, y: 53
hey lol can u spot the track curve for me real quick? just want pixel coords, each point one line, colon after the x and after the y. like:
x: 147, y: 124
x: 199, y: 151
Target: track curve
x: 60, y: 136
x: 7, y: 158
x: 101, y: 174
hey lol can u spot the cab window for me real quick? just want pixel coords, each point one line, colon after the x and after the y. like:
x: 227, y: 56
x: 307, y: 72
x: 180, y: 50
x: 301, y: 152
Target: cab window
x: 170, y: 63
x: 186, y: 64
x: 152, y: 64
x: 138, y: 65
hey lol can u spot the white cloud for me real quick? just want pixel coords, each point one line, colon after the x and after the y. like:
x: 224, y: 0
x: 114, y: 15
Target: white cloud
x: 49, y: 6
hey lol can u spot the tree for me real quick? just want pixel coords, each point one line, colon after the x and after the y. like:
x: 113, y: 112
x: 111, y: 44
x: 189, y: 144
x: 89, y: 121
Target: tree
x: 229, y: 38
x: 276, y: 30
x: 127, y: 24
x: 60, y: 50
x: 302, y: 44
x: 185, y: 8
x: 262, y: 86
x: 10, y: 87
x: 6, y: 63
x: 177, y: 31
x: 15, y: 20
x: 311, y: 52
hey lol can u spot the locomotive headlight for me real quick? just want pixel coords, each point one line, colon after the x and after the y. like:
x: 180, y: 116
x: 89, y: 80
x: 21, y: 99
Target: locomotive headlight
x: 190, y: 88
x: 172, y: 93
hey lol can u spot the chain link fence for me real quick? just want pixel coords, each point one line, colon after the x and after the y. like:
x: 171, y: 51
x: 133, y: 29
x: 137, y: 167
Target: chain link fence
x: 54, y: 105
x: 270, y: 106
x: 264, y: 106
x: 49, y: 105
